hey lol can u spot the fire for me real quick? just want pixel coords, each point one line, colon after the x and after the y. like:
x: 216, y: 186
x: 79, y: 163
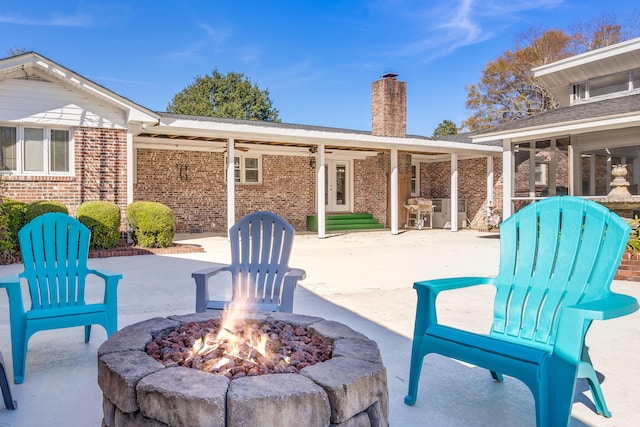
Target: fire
x: 235, y: 346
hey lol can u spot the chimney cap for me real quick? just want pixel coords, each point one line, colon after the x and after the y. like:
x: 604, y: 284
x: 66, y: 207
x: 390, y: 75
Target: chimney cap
x: 389, y: 75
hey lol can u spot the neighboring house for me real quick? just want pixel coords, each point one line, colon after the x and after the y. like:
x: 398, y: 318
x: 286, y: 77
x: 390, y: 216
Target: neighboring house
x: 66, y: 138
x: 571, y: 150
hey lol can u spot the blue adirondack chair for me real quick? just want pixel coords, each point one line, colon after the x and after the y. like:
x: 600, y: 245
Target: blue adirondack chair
x: 260, y: 274
x: 55, y: 248
x: 557, y: 260
x: 9, y: 403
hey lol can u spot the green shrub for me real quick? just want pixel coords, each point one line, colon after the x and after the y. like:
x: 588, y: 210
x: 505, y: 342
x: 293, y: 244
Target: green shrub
x: 15, y: 213
x: 7, y: 247
x: 152, y: 224
x: 103, y: 219
x: 40, y: 207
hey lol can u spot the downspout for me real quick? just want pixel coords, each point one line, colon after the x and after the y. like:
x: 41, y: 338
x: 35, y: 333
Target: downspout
x: 231, y: 183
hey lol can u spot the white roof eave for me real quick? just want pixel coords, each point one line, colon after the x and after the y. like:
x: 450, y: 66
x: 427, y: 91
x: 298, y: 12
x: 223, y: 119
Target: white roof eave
x: 574, y: 127
x: 258, y: 132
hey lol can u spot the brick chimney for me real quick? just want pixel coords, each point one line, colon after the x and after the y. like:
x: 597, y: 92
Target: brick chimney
x: 389, y: 106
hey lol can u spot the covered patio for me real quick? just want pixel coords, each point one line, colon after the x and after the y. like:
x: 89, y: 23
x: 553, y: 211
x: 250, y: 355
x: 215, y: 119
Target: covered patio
x: 363, y: 280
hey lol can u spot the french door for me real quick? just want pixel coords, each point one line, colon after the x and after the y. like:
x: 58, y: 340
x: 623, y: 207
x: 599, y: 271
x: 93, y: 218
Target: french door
x: 337, y: 186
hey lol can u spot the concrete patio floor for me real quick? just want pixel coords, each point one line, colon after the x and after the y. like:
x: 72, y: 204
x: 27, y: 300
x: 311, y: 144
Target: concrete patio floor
x: 361, y: 279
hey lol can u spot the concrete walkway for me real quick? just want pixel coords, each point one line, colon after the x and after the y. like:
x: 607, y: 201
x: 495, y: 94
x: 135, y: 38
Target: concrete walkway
x: 361, y: 279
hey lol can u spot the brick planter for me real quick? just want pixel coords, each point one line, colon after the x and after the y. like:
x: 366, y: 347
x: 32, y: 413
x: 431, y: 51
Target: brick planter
x: 629, y: 268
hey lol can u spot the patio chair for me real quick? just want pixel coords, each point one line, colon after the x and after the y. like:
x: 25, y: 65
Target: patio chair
x: 55, y: 248
x: 557, y: 260
x: 260, y: 276
x: 9, y: 403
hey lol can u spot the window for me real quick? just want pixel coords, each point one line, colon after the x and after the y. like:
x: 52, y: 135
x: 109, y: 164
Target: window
x: 541, y: 174
x: 578, y: 92
x: 415, y: 179
x: 35, y: 150
x: 609, y: 84
x: 247, y: 169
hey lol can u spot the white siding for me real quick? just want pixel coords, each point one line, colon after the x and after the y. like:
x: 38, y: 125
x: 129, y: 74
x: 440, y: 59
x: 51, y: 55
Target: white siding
x: 48, y: 103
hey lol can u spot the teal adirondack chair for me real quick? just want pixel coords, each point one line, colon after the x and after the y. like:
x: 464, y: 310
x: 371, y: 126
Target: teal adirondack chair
x: 557, y: 260
x: 260, y: 274
x: 55, y: 248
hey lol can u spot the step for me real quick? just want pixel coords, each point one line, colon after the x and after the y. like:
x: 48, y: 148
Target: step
x: 360, y: 221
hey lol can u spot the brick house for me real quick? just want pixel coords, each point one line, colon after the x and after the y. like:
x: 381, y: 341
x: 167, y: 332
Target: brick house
x: 66, y: 138
x: 572, y: 149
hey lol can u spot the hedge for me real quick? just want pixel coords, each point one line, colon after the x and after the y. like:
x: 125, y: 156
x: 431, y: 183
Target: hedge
x: 152, y: 224
x: 103, y: 219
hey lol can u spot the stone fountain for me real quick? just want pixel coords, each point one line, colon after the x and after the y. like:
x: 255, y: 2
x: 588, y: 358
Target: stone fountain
x: 619, y: 198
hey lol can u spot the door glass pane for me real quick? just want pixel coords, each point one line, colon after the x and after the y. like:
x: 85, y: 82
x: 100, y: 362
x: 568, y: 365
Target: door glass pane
x: 8, y: 148
x: 59, y: 151
x: 33, y: 150
x: 341, y: 184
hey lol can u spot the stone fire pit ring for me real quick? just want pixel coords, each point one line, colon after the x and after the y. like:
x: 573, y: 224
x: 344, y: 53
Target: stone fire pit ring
x: 349, y: 390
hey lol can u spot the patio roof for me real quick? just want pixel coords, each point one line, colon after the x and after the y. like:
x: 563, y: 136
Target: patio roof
x: 212, y: 134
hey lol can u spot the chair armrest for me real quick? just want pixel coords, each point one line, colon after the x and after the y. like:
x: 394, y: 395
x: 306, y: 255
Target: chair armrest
x: 12, y: 284
x: 575, y: 321
x: 297, y: 274
x: 202, y: 291
x: 288, y: 287
x: 205, y: 273
x: 428, y: 290
x: 446, y: 284
x: 106, y: 274
x: 10, y: 280
x: 612, y: 306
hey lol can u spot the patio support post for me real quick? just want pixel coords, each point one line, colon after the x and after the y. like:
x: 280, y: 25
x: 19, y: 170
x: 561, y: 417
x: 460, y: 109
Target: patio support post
x: 490, y: 202
x: 130, y: 173
x: 454, y: 192
x: 231, y: 183
x: 507, y: 178
x: 320, y: 186
x: 394, y: 191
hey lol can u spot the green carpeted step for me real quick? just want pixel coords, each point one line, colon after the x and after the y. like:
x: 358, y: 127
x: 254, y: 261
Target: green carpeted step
x: 359, y: 221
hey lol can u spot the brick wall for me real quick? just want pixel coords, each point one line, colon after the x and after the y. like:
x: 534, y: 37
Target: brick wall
x: 629, y: 268
x: 199, y: 199
x: 472, y: 178
x: 100, y: 173
x: 370, y: 186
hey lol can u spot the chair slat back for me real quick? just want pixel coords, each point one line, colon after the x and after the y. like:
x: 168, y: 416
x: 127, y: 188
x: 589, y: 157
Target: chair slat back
x: 55, y: 248
x: 260, y: 250
x: 555, y: 253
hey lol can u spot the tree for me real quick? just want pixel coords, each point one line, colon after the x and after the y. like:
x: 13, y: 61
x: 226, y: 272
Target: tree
x: 15, y: 51
x: 508, y: 91
x: 230, y: 96
x: 446, y: 127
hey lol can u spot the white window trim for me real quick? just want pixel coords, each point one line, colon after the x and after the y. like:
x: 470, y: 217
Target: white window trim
x: 242, y: 158
x: 46, y: 150
x: 416, y: 164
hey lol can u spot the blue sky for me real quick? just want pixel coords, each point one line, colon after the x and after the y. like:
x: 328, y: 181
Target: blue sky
x: 316, y: 58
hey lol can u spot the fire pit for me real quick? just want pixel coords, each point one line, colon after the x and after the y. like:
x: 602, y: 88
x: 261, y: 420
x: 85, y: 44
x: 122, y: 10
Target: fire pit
x: 349, y: 388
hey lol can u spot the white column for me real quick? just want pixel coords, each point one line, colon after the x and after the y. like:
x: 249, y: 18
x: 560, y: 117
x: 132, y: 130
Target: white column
x: 231, y: 184
x: 507, y: 178
x: 130, y: 168
x: 454, y: 192
x: 394, y: 191
x: 320, y: 184
x: 489, y: 185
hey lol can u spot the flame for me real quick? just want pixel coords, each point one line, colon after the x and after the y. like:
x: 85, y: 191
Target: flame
x: 234, y: 339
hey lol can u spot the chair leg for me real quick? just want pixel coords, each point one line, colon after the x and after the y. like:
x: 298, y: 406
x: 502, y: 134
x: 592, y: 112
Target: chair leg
x: 87, y: 333
x: 554, y: 395
x: 496, y: 376
x: 417, y: 357
x: 9, y: 403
